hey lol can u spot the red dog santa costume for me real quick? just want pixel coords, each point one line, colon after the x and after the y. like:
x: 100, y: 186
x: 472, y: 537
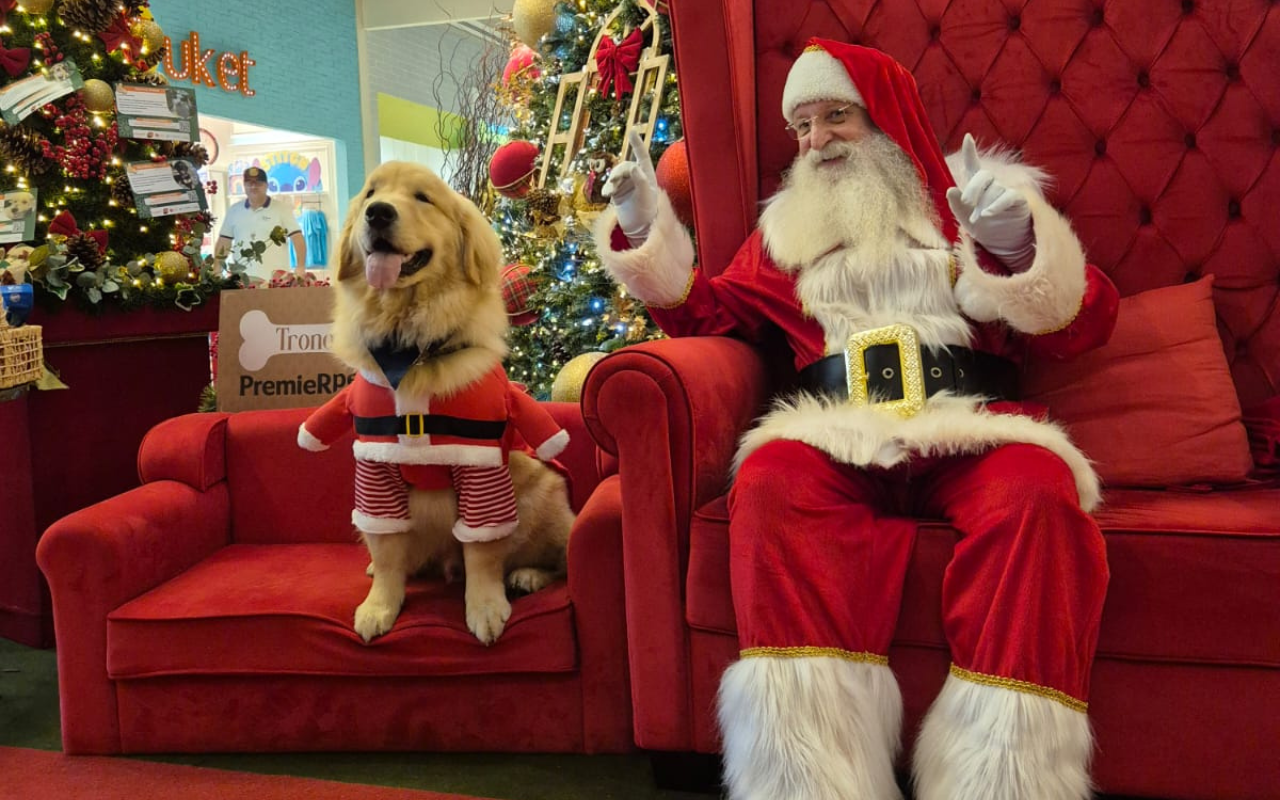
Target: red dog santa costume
x: 460, y: 440
x: 908, y: 302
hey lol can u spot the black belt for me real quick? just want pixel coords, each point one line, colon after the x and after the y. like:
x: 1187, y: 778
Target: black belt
x: 958, y: 369
x: 430, y: 424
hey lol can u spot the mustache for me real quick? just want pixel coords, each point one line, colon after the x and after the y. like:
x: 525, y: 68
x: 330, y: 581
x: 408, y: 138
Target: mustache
x: 831, y: 150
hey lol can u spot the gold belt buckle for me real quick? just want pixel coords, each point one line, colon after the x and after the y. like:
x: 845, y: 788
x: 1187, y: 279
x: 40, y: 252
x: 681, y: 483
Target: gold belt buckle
x: 911, y: 374
x: 411, y: 430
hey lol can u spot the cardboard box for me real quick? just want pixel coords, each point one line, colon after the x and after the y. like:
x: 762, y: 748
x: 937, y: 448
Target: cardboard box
x: 273, y: 349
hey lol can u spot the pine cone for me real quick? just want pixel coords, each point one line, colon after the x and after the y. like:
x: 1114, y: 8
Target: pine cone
x: 121, y: 192
x: 89, y: 16
x: 22, y: 147
x: 85, y: 250
x: 151, y: 59
x: 193, y: 151
x: 150, y: 78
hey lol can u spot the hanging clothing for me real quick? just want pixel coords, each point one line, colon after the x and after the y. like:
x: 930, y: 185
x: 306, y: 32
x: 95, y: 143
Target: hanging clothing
x: 315, y: 230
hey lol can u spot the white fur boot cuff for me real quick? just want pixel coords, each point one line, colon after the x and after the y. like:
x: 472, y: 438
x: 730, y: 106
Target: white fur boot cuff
x: 813, y: 728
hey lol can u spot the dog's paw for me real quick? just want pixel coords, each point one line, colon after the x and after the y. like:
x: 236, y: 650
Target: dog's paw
x: 487, y: 618
x: 530, y: 579
x: 374, y: 619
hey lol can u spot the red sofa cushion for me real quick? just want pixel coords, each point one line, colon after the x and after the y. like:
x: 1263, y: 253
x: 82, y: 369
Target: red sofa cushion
x: 287, y: 610
x: 1166, y: 550
x: 1164, y: 365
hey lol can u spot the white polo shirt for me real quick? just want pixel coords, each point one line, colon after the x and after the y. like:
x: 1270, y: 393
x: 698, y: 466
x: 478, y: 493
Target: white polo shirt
x: 244, y: 225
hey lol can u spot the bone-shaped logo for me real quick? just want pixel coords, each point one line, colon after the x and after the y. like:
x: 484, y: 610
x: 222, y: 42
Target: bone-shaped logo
x: 264, y: 339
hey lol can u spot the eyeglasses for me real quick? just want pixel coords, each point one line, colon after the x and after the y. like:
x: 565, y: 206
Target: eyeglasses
x: 803, y: 127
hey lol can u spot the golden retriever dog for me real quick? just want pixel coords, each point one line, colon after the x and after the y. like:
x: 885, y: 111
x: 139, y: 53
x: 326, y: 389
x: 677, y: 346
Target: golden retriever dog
x: 419, y: 266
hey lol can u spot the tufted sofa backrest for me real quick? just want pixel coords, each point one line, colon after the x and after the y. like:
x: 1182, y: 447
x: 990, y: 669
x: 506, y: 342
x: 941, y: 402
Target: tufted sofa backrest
x: 1158, y: 119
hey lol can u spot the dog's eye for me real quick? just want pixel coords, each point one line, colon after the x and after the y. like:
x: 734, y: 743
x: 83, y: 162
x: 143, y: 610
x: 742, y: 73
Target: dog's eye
x: 368, y: 194
x: 421, y: 197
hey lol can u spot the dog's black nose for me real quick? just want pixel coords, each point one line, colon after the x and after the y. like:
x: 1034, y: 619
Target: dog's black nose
x: 380, y: 215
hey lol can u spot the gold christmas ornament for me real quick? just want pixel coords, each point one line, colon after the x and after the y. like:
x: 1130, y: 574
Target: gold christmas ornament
x: 533, y: 19
x: 98, y: 96
x: 172, y: 266
x: 567, y: 387
x: 151, y: 34
x: 37, y: 6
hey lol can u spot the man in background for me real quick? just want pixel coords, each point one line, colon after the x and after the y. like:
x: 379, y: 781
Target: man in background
x: 255, y: 220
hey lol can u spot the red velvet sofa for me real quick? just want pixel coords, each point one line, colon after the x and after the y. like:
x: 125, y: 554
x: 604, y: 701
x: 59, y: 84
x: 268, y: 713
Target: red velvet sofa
x: 1161, y: 123
x: 210, y: 609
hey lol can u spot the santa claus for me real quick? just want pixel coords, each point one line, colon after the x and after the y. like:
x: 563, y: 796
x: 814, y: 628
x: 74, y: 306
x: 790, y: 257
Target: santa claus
x: 910, y: 288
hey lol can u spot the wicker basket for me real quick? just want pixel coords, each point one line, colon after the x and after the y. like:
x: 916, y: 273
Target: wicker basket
x: 21, y: 355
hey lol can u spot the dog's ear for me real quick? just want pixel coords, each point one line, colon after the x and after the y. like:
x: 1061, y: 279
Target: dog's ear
x: 480, y: 250
x: 349, y: 263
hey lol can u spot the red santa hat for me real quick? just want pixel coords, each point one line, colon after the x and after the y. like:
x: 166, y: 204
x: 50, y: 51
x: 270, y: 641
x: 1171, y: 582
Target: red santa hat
x: 830, y: 70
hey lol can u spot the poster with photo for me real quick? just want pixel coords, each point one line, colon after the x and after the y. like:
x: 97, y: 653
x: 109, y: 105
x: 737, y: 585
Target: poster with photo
x: 18, y: 216
x: 166, y: 188
x: 20, y: 98
x: 157, y: 112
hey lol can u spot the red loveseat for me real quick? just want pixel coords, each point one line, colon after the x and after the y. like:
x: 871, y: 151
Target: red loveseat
x: 210, y: 609
x: 1160, y: 123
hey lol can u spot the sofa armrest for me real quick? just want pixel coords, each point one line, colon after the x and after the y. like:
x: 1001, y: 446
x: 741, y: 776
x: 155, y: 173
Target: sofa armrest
x: 191, y: 449
x: 671, y: 411
x: 102, y: 556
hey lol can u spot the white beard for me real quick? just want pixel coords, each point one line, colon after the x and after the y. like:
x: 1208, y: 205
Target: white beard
x: 865, y: 242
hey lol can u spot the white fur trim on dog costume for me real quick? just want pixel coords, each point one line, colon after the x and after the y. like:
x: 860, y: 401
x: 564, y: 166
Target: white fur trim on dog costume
x: 813, y: 728
x: 817, y: 75
x: 657, y: 272
x: 484, y: 533
x: 1047, y: 296
x: 981, y: 742
x: 376, y: 525
x: 308, y: 442
x: 553, y: 446
x: 948, y: 425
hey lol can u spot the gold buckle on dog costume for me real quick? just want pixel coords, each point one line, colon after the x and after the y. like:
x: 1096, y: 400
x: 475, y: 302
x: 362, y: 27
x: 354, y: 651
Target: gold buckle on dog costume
x: 911, y: 374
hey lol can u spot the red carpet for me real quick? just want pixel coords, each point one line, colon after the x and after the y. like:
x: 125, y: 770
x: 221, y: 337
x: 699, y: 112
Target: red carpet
x: 42, y: 775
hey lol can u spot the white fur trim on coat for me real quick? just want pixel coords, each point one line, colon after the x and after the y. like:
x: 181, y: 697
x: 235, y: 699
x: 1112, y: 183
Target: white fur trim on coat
x: 657, y: 272
x: 309, y: 442
x: 553, y: 446
x: 378, y: 525
x: 982, y: 742
x: 460, y: 455
x: 948, y: 425
x: 815, y: 728
x: 1047, y: 296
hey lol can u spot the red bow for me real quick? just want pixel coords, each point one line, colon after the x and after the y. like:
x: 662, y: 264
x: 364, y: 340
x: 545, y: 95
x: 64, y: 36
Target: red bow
x: 65, y: 225
x: 616, y: 62
x: 15, y: 61
x: 119, y: 35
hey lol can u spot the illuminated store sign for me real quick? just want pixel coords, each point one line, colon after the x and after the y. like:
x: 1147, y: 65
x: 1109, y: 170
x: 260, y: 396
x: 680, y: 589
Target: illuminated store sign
x: 200, y: 66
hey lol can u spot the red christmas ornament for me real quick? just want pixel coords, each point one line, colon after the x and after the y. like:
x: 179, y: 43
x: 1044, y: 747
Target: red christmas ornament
x: 673, y: 178
x: 517, y: 291
x: 522, y: 62
x: 511, y: 168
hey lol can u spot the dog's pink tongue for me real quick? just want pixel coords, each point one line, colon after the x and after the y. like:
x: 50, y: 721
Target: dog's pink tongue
x: 382, y: 269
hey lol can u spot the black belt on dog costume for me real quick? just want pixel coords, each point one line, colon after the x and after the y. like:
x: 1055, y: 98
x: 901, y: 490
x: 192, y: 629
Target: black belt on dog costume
x: 430, y: 424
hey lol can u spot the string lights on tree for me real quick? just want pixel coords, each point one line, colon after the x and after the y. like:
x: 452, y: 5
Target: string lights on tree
x: 68, y: 154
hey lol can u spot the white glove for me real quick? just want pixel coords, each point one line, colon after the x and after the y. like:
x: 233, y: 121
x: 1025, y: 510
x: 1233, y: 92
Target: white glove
x: 997, y: 217
x: 632, y: 188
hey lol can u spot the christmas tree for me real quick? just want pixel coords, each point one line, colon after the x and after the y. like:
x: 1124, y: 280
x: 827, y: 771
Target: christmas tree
x: 62, y: 150
x: 580, y: 76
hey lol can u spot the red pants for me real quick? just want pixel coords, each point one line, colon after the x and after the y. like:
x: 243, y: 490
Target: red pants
x: 819, y: 550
